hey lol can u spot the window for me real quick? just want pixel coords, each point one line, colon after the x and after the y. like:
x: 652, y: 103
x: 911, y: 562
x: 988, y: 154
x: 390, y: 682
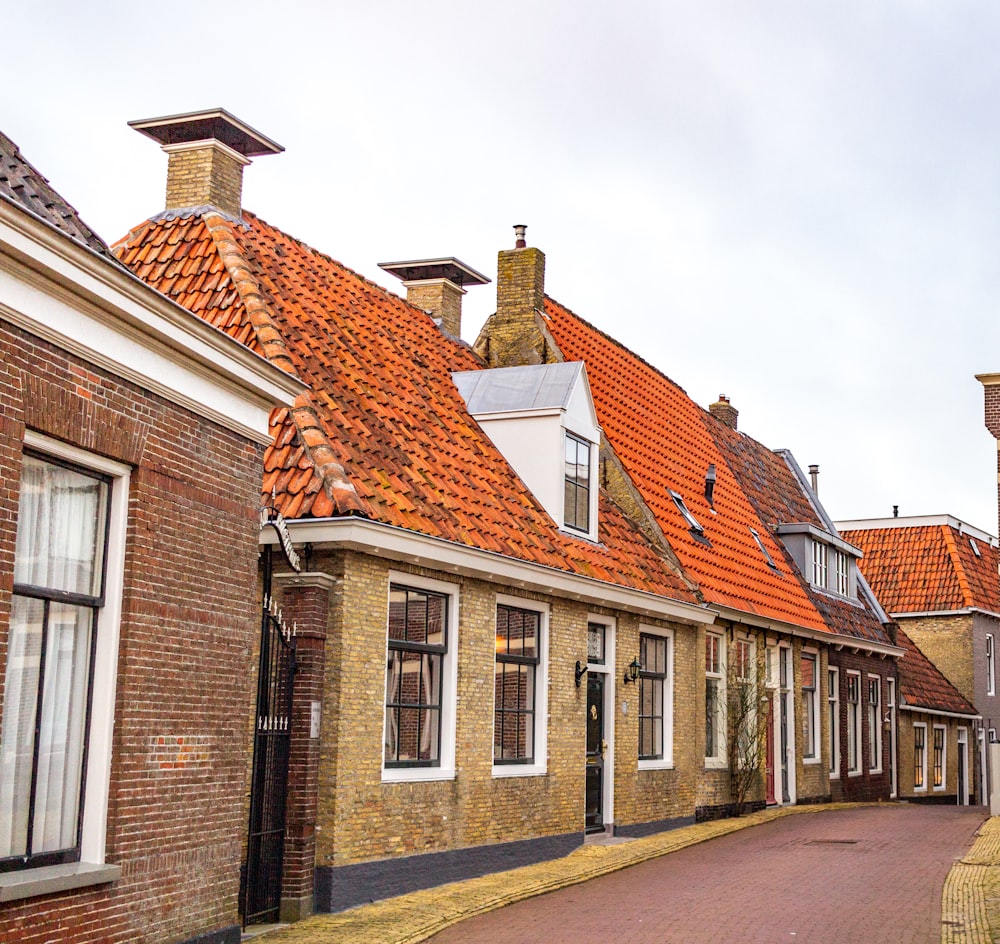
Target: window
x: 654, y: 718
x: 991, y: 668
x: 939, y: 757
x: 576, y: 500
x: 414, y: 678
x: 810, y: 707
x: 519, y: 690
x: 715, y: 700
x: 833, y: 708
x: 819, y: 559
x: 874, y: 723
x: 763, y: 550
x: 919, y: 756
x: 60, y: 672
x: 841, y: 561
x: 692, y: 522
x: 853, y: 723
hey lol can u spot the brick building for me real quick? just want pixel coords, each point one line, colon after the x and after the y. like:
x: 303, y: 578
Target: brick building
x: 937, y: 577
x: 131, y: 439
x: 748, y: 530
x: 486, y: 669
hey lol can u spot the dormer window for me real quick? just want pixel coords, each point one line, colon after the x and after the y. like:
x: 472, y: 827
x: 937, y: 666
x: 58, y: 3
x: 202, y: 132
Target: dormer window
x: 576, y: 503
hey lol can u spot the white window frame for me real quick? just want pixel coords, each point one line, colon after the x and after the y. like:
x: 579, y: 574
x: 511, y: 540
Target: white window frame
x: 939, y: 788
x: 854, y: 728
x: 445, y: 769
x: 665, y: 762
x: 833, y: 712
x: 923, y: 764
x: 874, y: 725
x: 820, y: 563
x: 539, y: 767
x: 94, y: 814
x: 719, y: 759
x: 811, y: 717
x: 991, y: 665
x: 592, y: 449
x: 843, y: 573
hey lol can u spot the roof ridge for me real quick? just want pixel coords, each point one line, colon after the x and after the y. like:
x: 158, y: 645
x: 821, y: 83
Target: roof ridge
x: 956, y: 558
x: 321, y: 454
x: 246, y: 284
x: 611, y: 340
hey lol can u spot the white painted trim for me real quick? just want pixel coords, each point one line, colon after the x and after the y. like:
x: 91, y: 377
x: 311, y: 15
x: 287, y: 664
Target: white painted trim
x: 203, y: 144
x: 399, y: 544
x: 944, y: 758
x: 918, y: 521
x: 445, y: 770
x: 75, y: 298
x: 667, y: 761
x: 539, y: 767
x: 610, y: 673
x: 927, y: 748
x: 917, y: 710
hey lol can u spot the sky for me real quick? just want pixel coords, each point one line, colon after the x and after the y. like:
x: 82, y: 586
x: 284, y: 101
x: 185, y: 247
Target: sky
x: 793, y: 204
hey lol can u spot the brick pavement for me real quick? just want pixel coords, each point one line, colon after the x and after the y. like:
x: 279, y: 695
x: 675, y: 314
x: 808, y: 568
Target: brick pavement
x: 787, y: 881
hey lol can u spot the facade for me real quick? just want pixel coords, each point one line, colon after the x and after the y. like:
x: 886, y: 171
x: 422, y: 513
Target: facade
x: 486, y: 669
x: 131, y: 440
x: 937, y: 577
x: 749, y: 531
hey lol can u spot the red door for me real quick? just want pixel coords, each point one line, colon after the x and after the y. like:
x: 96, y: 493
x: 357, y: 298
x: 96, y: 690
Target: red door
x: 769, y: 759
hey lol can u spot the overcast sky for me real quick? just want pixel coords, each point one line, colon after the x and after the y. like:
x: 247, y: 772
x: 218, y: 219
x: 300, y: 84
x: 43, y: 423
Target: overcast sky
x: 796, y: 205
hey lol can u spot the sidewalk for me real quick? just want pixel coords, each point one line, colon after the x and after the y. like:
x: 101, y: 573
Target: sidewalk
x: 970, y: 902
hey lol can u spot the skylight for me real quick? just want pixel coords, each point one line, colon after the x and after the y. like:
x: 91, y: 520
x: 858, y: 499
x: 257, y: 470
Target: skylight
x: 692, y: 521
x: 763, y: 550
x: 975, y: 547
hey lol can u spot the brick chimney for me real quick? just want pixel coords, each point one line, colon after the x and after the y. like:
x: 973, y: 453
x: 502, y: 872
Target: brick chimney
x: 724, y: 411
x: 513, y: 336
x: 207, y: 152
x: 436, y: 286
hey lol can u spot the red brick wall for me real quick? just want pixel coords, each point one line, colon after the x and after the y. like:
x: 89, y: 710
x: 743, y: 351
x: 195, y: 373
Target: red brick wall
x: 175, y: 815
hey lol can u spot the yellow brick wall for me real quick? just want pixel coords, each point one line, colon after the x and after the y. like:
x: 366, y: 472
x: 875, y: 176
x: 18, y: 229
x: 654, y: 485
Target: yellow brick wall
x: 361, y: 818
x: 947, y: 642
x: 204, y: 176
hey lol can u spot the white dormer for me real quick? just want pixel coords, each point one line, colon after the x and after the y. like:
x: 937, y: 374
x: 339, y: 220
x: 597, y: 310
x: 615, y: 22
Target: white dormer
x: 542, y: 418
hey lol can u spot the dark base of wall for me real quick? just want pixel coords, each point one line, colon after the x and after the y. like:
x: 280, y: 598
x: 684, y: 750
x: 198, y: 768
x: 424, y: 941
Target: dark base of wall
x: 938, y: 799
x: 638, y: 830
x: 811, y: 801
x: 345, y: 886
x: 703, y: 814
x: 222, y: 936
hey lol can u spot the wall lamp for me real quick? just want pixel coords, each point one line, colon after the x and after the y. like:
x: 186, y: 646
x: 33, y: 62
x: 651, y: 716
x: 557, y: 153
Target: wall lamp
x: 581, y: 671
x: 632, y: 671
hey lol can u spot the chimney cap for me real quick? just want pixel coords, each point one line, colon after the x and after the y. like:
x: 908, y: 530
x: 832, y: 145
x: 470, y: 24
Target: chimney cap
x: 212, y: 123
x: 450, y: 268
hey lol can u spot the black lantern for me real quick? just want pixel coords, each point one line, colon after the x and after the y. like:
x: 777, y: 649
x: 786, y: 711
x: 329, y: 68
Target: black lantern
x: 632, y: 671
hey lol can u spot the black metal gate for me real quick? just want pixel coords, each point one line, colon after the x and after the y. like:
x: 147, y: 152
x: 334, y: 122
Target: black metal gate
x: 261, y: 892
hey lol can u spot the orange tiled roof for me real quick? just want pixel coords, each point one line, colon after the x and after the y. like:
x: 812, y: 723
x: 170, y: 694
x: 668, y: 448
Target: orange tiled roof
x: 778, y: 496
x: 927, y: 568
x: 383, y: 432
x: 661, y: 437
x: 923, y: 686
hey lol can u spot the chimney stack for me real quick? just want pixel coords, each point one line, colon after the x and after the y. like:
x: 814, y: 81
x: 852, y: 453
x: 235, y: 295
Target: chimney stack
x: 814, y: 478
x: 514, y: 336
x: 436, y: 286
x: 724, y: 411
x: 207, y: 152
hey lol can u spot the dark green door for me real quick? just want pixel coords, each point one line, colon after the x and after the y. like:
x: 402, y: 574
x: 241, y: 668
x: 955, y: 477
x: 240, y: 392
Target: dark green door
x: 595, y: 752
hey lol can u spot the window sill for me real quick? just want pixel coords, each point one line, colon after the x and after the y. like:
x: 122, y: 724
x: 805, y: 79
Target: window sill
x: 416, y: 774
x: 810, y: 761
x: 715, y: 763
x: 50, y: 879
x: 656, y: 765
x: 854, y: 773
x: 519, y: 770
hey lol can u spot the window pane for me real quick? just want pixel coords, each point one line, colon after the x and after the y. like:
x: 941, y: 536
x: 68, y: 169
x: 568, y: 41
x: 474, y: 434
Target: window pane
x: 60, y: 531
x: 20, y: 704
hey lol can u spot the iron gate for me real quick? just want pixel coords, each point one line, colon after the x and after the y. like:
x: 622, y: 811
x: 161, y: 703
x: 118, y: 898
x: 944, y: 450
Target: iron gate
x: 261, y: 892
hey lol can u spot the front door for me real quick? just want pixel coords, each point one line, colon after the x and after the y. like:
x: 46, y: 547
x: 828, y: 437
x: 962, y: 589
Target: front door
x: 596, y: 746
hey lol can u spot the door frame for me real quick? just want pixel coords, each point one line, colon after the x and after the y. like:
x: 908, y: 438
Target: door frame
x: 607, y: 669
x: 962, y: 765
